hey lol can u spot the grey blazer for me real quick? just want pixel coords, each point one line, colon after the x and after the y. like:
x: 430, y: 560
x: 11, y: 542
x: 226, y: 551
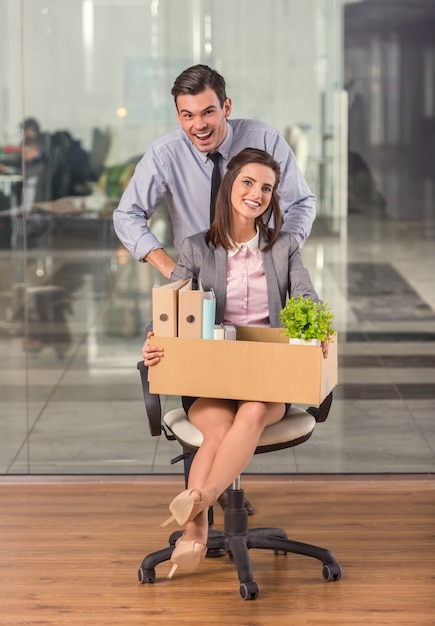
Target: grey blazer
x: 286, y: 275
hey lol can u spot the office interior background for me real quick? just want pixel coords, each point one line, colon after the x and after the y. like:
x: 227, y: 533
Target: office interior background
x: 351, y: 85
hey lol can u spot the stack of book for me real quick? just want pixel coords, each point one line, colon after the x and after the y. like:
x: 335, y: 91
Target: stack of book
x: 180, y: 311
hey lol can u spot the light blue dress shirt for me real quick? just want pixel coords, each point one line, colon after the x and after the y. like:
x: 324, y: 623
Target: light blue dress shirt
x: 174, y: 169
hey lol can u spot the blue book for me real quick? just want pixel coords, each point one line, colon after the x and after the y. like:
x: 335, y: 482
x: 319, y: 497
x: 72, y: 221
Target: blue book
x: 208, y: 314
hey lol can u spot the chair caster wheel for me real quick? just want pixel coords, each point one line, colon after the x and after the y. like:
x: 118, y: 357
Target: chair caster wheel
x: 146, y: 575
x: 249, y: 591
x: 331, y: 571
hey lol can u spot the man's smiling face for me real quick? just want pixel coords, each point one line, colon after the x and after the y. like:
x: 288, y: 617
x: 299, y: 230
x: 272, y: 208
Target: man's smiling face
x: 203, y: 119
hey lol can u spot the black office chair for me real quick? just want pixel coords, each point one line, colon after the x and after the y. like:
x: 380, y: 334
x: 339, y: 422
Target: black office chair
x: 236, y: 538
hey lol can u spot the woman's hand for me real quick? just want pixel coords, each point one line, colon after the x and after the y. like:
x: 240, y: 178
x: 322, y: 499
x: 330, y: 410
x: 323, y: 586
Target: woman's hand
x: 325, y: 348
x: 151, y: 354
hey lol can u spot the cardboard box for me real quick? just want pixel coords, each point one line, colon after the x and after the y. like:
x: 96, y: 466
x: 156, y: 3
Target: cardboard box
x: 259, y: 365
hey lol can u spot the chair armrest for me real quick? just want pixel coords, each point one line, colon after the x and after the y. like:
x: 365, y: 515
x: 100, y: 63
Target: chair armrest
x: 152, y: 402
x: 320, y: 413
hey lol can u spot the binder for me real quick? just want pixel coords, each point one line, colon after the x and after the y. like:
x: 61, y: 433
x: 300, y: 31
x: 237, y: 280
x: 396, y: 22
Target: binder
x: 165, y: 308
x: 208, y: 314
x: 189, y: 312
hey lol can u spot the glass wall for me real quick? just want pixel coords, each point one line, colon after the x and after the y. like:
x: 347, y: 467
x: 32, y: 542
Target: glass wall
x: 94, y: 76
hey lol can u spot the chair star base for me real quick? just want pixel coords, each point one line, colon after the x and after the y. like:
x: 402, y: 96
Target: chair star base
x: 236, y: 540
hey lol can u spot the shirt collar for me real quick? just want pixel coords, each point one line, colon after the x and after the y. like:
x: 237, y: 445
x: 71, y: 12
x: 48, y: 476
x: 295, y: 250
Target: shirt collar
x: 252, y: 245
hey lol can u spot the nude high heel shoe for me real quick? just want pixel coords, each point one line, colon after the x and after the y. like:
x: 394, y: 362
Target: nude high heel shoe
x: 187, y: 555
x: 185, y: 507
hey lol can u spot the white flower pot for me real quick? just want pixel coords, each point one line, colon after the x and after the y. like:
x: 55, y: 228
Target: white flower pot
x: 305, y: 342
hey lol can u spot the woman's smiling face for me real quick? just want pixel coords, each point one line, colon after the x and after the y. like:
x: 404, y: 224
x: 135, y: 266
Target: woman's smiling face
x: 252, y: 190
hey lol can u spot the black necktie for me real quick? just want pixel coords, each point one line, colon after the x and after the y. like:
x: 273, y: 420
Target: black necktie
x: 215, y: 181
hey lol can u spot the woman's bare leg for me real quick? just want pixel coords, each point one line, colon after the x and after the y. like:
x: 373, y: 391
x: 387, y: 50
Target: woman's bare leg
x: 213, y: 418
x: 229, y: 443
x: 238, y: 446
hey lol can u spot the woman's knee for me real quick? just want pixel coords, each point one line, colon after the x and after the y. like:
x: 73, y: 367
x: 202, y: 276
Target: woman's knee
x: 260, y: 414
x: 252, y: 413
x: 213, y: 419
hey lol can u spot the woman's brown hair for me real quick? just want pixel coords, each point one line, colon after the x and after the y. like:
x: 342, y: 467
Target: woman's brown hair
x: 221, y: 230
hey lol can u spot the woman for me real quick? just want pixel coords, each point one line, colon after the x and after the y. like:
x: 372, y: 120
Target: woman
x: 252, y: 269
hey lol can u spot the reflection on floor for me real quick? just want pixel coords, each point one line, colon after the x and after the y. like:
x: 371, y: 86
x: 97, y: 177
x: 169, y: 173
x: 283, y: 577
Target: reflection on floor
x: 70, y: 394
x: 377, y: 291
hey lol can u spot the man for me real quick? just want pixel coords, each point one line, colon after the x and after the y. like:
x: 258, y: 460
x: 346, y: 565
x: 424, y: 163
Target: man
x: 177, y: 167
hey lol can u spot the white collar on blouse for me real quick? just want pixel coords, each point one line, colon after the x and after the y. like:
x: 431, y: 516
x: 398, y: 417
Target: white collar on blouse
x: 252, y: 245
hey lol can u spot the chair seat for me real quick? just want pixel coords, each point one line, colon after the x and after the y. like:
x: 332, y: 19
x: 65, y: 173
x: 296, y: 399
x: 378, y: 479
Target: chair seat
x: 296, y: 426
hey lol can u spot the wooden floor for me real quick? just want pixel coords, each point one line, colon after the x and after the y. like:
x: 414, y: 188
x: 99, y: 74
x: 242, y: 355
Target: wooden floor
x: 70, y: 551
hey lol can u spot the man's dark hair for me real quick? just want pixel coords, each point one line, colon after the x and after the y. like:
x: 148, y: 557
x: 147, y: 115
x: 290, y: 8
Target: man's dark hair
x: 196, y: 79
x: 31, y: 124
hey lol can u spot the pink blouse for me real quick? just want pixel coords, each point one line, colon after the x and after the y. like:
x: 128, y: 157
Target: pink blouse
x: 246, y: 301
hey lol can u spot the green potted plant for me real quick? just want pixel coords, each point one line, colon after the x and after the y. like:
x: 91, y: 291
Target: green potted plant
x: 307, y: 321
